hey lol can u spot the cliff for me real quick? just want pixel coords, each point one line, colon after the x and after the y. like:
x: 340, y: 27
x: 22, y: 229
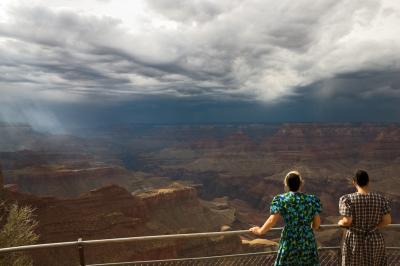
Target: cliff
x: 320, y: 141
x: 326, y: 155
x: 111, y: 212
x: 385, y: 145
x: 64, y: 182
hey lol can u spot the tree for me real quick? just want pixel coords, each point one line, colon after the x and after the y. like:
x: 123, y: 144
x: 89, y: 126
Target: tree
x: 18, y: 229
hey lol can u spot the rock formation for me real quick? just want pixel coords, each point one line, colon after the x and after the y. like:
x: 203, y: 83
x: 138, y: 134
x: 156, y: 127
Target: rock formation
x: 112, y: 211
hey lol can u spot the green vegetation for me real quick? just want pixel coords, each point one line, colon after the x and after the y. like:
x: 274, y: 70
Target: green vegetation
x: 17, y: 228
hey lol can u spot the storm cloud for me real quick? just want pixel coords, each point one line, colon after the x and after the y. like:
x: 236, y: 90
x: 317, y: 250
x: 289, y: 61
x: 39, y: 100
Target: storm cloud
x: 273, y: 54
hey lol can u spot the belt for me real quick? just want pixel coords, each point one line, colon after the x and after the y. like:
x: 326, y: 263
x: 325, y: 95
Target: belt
x: 362, y: 232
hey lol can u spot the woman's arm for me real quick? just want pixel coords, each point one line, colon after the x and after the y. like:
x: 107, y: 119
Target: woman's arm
x: 316, y: 222
x: 345, y: 221
x: 386, y: 219
x: 270, y: 222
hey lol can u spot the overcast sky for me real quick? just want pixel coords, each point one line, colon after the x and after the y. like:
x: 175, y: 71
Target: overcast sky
x: 67, y: 63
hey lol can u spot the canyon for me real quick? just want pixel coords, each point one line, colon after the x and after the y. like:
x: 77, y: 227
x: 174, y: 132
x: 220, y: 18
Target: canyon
x: 135, y: 180
x: 112, y: 211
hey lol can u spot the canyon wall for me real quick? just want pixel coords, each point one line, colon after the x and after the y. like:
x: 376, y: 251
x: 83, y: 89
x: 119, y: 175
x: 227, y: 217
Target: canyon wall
x: 327, y: 155
x: 112, y: 211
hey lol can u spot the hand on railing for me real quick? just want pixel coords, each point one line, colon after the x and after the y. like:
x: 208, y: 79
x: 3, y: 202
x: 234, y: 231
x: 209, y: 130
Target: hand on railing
x: 256, y: 230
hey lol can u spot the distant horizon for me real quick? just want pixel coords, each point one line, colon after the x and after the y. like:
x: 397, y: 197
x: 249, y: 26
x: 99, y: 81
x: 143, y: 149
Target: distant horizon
x: 244, y: 123
x: 3, y: 123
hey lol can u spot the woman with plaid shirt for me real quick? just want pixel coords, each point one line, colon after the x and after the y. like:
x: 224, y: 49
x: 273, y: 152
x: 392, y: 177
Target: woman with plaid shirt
x: 363, y: 214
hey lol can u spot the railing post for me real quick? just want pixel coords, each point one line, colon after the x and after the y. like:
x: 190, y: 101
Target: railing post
x: 341, y: 246
x: 81, y: 252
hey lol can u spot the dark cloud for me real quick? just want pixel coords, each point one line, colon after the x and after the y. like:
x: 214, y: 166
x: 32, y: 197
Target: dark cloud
x: 253, y: 60
x: 360, y: 86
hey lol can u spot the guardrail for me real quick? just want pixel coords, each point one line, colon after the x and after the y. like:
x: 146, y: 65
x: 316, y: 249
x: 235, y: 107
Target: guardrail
x: 329, y: 256
x: 80, y: 244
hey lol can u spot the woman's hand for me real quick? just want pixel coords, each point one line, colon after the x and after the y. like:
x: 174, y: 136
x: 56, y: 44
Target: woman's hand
x: 256, y: 230
x: 271, y: 221
x: 345, y: 221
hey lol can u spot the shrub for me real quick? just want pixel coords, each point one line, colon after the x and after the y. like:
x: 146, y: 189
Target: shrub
x: 18, y: 229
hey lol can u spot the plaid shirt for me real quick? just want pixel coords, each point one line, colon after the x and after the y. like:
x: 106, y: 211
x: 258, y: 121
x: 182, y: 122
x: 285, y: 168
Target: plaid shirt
x: 363, y: 244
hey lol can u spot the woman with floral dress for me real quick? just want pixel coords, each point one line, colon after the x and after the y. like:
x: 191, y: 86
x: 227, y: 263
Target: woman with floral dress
x: 300, y: 213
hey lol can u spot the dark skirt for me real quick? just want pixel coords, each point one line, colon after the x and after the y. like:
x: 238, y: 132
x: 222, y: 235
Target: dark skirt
x: 363, y: 249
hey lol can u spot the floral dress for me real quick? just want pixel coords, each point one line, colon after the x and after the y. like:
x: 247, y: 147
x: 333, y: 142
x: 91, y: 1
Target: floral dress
x: 297, y: 245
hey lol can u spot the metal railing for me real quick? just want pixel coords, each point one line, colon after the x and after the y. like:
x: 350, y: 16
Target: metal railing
x: 328, y: 255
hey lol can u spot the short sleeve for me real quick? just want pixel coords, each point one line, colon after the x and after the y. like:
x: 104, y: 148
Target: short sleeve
x: 317, y: 206
x: 345, y: 206
x: 276, y: 205
x: 386, y: 206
